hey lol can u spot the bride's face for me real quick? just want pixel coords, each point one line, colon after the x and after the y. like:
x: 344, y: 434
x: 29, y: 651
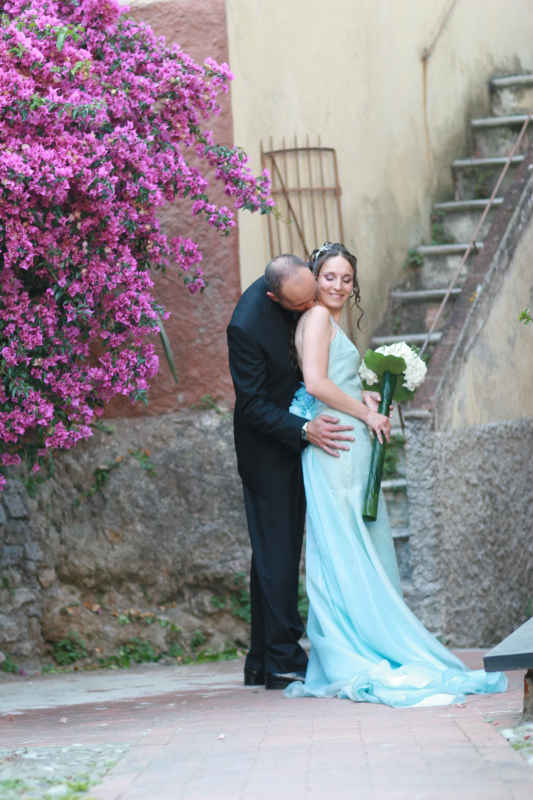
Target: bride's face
x: 335, y: 282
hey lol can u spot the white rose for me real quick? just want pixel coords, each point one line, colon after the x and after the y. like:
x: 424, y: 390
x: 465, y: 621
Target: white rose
x: 398, y: 349
x: 415, y: 369
x: 415, y: 374
x: 367, y: 375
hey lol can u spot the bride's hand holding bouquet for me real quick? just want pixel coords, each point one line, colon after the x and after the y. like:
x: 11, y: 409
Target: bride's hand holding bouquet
x: 378, y: 422
x: 384, y: 369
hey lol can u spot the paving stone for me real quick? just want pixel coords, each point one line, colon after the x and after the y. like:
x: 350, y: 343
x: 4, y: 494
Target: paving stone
x: 302, y: 749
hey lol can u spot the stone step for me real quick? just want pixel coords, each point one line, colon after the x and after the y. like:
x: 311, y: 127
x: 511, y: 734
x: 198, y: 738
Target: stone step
x: 460, y: 206
x: 398, y: 512
x: 511, y: 120
x: 394, y: 483
x: 493, y: 161
x: 440, y: 263
x: 396, y: 431
x: 496, y: 136
x: 403, y: 555
x: 515, y: 652
x: 460, y: 218
x: 401, y: 533
x: 476, y: 178
x: 409, y: 338
x: 511, y: 95
x: 445, y: 249
x: 413, y: 305
x: 423, y: 295
x: 508, y: 81
x: 414, y: 311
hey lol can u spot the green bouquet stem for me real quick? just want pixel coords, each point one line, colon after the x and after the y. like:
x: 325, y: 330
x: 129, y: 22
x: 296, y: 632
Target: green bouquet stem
x: 370, y: 507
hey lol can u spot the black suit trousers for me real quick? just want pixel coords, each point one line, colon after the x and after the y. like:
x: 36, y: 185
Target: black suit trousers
x: 276, y: 527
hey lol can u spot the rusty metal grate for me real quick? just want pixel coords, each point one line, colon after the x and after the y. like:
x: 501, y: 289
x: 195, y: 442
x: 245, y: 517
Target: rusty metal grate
x: 305, y: 186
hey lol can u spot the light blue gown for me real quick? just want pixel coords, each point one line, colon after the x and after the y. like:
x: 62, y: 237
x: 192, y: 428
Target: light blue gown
x: 366, y: 645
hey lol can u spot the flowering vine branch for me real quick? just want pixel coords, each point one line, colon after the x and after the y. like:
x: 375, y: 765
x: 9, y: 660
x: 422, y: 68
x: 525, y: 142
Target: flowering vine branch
x: 97, y: 116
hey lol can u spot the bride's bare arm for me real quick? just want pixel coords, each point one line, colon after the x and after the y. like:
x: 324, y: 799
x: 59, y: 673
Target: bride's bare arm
x: 315, y: 358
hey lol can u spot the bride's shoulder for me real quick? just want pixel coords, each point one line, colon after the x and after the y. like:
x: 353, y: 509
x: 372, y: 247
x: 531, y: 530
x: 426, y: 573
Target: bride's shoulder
x: 317, y: 316
x: 314, y: 319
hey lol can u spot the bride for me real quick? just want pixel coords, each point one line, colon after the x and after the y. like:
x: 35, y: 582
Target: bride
x: 366, y: 644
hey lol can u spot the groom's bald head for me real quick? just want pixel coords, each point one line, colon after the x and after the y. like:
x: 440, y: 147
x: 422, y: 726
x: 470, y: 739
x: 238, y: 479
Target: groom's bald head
x: 290, y: 282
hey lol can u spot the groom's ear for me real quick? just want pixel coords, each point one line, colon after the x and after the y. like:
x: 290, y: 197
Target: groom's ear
x: 273, y: 297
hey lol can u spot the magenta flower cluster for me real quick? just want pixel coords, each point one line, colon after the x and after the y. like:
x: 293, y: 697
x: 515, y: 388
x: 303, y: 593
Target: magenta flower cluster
x: 97, y: 118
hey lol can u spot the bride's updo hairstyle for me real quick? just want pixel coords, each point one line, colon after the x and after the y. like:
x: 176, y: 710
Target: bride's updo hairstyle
x: 328, y: 250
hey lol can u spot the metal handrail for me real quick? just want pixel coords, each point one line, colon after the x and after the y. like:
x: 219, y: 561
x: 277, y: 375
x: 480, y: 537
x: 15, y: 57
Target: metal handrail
x: 472, y: 244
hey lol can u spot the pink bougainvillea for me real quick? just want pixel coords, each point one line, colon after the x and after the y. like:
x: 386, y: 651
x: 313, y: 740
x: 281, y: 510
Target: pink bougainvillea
x: 97, y: 117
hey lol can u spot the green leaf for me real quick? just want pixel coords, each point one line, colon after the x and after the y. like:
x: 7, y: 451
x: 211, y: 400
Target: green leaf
x: 60, y: 41
x: 402, y: 393
x: 166, y: 348
x: 380, y: 363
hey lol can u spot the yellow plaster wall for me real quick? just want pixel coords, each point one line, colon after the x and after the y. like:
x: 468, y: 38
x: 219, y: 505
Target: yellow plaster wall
x: 351, y: 72
x: 496, y: 382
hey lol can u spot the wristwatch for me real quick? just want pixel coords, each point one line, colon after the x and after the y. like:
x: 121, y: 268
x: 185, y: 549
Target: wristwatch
x: 303, y: 432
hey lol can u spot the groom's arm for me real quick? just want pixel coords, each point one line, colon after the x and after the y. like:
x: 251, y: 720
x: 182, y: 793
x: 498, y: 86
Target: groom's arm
x: 248, y: 370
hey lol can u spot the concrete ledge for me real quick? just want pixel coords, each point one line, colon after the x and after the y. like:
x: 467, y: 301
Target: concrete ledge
x: 495, y: 161
x: 511, y: 80
x: 458, y: 206
x: 445, y: 249
x: 499, y: 122
x: 410, y: 338
x: 424, y: 294
x: 515, y: 652
x: 394, y: 483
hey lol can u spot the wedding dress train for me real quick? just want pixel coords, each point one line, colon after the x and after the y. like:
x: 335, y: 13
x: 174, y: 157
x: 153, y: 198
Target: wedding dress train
x: 366, y: 644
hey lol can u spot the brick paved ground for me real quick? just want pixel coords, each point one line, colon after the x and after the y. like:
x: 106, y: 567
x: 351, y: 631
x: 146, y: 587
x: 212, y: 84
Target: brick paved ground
x: 169, y: 744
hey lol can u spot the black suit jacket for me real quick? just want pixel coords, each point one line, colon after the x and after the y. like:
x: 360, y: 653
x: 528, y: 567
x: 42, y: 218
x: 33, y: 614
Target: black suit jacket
x: 267, y: 438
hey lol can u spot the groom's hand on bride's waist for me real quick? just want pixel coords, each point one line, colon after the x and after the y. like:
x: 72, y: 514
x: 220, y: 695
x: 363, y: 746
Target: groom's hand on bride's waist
x: 325, y: 432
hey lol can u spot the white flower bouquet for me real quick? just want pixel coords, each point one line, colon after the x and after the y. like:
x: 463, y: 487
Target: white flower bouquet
x: 396, y: 371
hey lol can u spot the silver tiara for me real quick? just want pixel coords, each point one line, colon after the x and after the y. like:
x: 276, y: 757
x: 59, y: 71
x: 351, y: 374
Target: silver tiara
x: 324, y: 249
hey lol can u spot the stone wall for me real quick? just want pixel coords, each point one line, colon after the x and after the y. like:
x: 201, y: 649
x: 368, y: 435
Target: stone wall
x: 149, y: 517
x: 471, y: 512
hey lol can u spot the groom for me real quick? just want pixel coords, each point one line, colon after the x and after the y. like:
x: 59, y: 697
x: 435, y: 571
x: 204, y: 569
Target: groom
x: 269, y: 441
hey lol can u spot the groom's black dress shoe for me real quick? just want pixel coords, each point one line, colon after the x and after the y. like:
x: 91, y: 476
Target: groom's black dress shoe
x: 254, y: 677
x: 280, y: 680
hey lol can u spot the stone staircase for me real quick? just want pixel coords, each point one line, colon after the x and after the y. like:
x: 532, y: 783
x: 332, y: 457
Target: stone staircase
x: 429, y: 268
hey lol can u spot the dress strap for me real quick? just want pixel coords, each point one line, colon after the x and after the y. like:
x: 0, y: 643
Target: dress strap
x: 303, y: 323
x: 335, y: 326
